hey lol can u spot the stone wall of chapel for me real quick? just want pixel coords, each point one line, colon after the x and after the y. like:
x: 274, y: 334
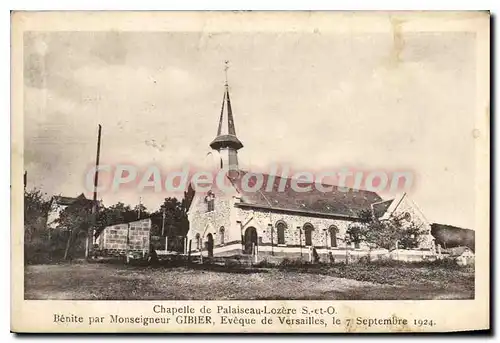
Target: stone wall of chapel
x: 226, y: 215
x: 203, y: 222
x: 320, y: 238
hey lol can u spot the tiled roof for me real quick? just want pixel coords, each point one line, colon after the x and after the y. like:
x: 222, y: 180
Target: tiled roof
x: 334, y: 202
x: 65, y: 201
x: 380, y: 208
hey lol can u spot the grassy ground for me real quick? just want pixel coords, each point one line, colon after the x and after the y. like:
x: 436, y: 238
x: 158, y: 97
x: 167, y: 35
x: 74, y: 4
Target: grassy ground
x: 356, y: 282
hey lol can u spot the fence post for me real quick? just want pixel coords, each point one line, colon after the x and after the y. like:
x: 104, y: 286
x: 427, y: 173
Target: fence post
x: 253, y: 253
x: 143, y: 247
x: 300, y: 240
x: 201, y: 252
x: 127, y: 245
x: 189, y: 252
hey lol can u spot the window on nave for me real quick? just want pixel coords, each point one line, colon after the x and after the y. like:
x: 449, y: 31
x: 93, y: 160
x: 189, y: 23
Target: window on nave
x: 280, y: 228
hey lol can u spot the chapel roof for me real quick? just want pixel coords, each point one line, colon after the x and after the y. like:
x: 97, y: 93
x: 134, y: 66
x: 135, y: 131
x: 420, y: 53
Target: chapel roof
x: 340, y: 202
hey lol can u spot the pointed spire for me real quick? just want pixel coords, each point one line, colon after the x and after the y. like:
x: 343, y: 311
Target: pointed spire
x: 226, y: 120
x: 226, y: 132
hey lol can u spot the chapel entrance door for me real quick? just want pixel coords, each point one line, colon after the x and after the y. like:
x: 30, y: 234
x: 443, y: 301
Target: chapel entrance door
x: 210, y: 245
x: 250, y: 240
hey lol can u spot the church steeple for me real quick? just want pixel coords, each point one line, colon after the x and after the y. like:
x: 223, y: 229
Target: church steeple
x: 226, y: 133
x: 226, y: 141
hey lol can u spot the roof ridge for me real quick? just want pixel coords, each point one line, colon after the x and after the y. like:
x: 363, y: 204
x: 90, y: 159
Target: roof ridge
x: 322, y: 184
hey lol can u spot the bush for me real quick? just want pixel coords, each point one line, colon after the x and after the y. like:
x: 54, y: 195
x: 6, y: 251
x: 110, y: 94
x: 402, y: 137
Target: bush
x: 264, y: 264
x: 293, y: 263
x: 232, y: 263
x: 39, y: 248
x: 286, y: 262
x: 388, y: 262
x: 364, y: 259
x: 442, y: 263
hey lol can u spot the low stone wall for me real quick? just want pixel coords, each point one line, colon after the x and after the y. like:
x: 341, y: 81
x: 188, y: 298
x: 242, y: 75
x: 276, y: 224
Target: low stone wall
x: 116, y: 240
x: 412, y: 255
x: 278, y: 253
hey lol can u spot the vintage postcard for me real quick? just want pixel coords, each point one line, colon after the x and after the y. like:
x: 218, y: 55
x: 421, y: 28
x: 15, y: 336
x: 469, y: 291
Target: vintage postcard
x: 320, y: 172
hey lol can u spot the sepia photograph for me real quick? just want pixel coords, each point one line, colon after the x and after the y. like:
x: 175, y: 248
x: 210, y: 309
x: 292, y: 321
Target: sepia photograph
x: 227, y: 161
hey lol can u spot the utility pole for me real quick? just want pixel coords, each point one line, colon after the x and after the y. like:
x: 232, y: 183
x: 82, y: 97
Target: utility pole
x: 139, y: 209
x: 163, y: 227
x: 90, y: 232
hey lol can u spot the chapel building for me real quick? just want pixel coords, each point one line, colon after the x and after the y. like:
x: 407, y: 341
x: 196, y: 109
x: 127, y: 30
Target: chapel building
x: 284, y: 223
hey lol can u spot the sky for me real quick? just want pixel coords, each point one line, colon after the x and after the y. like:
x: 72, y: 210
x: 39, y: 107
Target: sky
x: 315, y: 101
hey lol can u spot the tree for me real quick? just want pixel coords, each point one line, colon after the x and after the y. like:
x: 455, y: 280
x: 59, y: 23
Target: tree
x: 387, y: 234
x: 38, y: 245
x: 36, y: 208
x: 119, y: 213
x: 188, y: 198
x: 170, y: 220
x: 75, y: 219
x: 174, y: 221
x: 141, y: 211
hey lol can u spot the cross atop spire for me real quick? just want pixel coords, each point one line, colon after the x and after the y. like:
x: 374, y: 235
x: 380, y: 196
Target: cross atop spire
x: 226, y: 67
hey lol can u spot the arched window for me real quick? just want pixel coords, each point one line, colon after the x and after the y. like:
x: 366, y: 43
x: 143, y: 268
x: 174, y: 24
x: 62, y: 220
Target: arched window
x: 333, y: 230
x: 221, y: 233
x: 308, y: 229
x: 280, y: 228
x: 198, y: 241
